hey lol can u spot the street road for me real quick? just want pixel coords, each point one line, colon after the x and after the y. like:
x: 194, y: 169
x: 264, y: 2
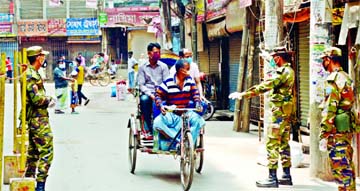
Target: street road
x: 91, y: 153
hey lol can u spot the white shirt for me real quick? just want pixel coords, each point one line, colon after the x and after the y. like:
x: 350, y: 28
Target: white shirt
x: 194, y: 70
x: 131, y: 63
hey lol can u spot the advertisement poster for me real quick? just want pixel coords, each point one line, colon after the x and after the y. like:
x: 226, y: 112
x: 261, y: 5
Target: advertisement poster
x: 57, y: 27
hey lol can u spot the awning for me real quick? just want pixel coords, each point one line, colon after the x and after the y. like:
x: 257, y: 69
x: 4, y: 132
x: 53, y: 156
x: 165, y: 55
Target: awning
x: 298, y: 16
x: 218, y: 29
x: 235, y: 17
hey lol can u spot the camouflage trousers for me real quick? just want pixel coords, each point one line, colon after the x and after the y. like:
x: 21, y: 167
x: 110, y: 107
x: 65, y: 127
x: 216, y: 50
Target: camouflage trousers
x: 40, y: 151
x: 278, y: 136
x: 342, y: 166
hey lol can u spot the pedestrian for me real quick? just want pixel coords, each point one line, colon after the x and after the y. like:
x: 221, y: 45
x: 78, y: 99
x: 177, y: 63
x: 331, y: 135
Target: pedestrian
x: 281, y: 103
x: 337, y: 123
x: 73, y: 93
x: 80, y: 81
x: 9, y: 69
x: 61, y: 86
x: 83, y: 61
x: 151, y: 75
x: 40, y: 150
x: 131, y: 70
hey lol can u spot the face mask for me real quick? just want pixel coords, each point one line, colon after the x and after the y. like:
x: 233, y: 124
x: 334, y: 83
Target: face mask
x: 62, y: 66
x: 44, y: 64
x: 272, y: 63
x: 189, y: 60
x: 156, y: 56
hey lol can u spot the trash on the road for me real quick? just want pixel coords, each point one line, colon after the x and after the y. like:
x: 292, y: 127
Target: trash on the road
x: 121, y: 90
x: 297, y: 155
x: 113, y: 91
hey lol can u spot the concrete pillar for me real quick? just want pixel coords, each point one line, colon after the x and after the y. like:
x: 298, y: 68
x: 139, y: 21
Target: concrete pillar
x: 319, y: 40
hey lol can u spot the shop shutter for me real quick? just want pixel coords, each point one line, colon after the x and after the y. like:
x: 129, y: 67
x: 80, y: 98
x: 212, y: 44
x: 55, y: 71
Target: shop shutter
x: 304, y: 102
x: 234, y: 48
x: 203, y: 61
x: 214, y: 56
x: 31, y: 9
x: 234, y: 58
x: 79, y: 10
x: 8, y: 48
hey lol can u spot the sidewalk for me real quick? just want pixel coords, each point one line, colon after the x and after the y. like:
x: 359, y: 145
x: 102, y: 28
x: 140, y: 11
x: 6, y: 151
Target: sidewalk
x: 239, y: 157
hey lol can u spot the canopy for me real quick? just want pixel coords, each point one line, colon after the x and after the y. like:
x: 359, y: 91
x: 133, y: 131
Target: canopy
x: 169, y: 58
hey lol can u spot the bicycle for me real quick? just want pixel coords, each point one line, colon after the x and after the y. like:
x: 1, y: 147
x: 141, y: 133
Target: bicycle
x: 102, y: 78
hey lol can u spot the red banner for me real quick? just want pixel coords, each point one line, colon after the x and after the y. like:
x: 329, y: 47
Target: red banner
x: 215, y: 4
x: 130, y: 18
x: 32, y: 28
x: 57, y: 27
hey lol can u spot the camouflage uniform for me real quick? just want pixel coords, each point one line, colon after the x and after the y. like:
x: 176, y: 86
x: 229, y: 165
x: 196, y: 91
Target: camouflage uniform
x: 281, y: 103
x: 339, y: 98
x: 40, y: 151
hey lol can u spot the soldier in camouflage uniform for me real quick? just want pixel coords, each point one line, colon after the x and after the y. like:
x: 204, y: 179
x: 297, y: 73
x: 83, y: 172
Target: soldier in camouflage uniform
x: 40, y: 151
x: 338, y: 123
x: 281, y: 103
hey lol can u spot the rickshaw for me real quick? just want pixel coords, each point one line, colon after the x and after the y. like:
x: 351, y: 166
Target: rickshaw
x: 191, y: 155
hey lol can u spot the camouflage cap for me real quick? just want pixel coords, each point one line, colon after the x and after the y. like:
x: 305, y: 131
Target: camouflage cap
x: 331, y: 52
x: 36, y: 50
x: 280, y: 51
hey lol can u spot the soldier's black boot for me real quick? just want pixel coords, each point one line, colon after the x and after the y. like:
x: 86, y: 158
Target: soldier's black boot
x: 286, y: 177
x: 40, y: 186
x: 271, y: 182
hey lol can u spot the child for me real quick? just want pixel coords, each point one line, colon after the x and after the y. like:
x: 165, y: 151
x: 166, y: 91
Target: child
x: 73, y: 92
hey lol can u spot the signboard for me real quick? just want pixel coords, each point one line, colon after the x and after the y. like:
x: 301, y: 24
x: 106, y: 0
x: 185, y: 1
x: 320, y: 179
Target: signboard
x: 83, y: 38
x: 34, y: 39
x: 57, y: 27
x: 82, y: 26
x: 215, y: 14
x: 4, y: 17
x: 32, y: 28
x: 127, y: 9
x: 130, y: 18
x: 91, y: 4
x: 6, y: 29
x: 103, y: 19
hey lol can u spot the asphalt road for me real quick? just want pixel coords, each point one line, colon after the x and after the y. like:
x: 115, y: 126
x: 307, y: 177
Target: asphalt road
x: 91, y: 153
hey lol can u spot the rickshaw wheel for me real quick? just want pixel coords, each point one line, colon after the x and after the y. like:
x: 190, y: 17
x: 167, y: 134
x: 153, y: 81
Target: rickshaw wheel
x: 104, y: 79
x: 133, y: 145
x: 93, y: 81
x: 187, y: 162
x: 199, y: 161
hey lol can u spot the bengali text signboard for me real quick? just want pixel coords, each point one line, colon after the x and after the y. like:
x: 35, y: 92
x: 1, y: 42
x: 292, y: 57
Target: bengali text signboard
x: 82, y: 26
x: 32, y: 28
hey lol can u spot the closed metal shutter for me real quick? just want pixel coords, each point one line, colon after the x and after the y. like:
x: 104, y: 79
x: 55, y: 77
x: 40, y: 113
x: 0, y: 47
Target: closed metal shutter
x: 8, y: 48
x: 203, y: 61
x: 304, y: 32
x: 234, y: 58
x: 214, y: 56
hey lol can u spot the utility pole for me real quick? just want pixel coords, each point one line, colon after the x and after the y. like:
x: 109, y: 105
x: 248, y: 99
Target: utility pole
x: 319, y: 40
x: 194, y: 31
x: 166, y: 24
x: 250, y: 19
x: 273, y: 36
x: 239, y: 103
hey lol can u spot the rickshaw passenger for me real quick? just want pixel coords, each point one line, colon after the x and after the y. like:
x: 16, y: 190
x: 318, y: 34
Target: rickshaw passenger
x: 150, y: 75
x: 178, y: 89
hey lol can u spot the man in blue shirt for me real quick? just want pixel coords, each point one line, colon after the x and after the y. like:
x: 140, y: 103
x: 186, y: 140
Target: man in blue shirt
x: 61, y: 84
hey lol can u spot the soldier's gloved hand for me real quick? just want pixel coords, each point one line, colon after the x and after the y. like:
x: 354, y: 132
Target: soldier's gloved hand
x: 236, y: 95
x: 323, y: 145
x: 52, y: 103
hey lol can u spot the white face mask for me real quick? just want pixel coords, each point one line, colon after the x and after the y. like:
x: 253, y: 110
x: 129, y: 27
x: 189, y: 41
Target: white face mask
x: 62, y: 66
